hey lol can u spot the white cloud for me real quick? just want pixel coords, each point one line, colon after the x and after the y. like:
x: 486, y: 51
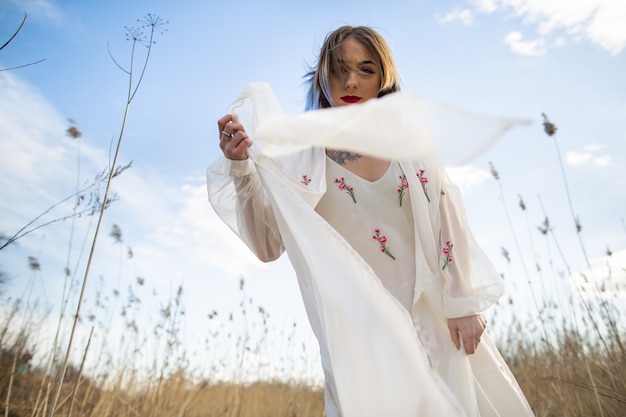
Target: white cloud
x: 468, y: 177
x: 577, y: 158
x: 34, y: 150
x: 602, y: 160
x: 486, y: 6
x: 171, y: 223
x: 588, y: 154
x: 523, y: 47
x: 193, y: 228
x: 600, y: 21
x: 464, y: 16
x: 608, y: 27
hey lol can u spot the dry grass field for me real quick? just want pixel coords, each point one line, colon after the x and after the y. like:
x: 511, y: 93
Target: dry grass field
x: 569, y: 377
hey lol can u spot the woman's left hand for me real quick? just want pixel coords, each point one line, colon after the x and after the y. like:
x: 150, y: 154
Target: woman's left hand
x: 470, y: 329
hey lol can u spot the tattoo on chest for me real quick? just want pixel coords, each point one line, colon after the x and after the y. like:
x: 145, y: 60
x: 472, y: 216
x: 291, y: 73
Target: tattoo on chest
x: 341, y: 157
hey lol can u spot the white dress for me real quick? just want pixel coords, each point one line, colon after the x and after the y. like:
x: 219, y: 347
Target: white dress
x: 381, y: 322
x: 376, y: 206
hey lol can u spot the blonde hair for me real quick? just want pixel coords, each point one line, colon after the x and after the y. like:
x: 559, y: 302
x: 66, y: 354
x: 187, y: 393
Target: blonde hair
x: 329, y: 59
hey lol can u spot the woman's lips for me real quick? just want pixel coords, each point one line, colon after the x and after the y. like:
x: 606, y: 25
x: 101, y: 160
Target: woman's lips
x: 350, y: 99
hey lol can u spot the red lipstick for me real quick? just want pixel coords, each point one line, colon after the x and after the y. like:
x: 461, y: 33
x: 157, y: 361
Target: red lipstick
x: 350, y: 99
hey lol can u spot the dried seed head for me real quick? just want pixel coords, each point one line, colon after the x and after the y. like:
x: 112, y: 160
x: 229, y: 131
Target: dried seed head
x: 73, y: 132
x: 521, y: 203
x: 33, y: 263
x: 116, y: 233
x: 494, y: 171
x: 548, y: 126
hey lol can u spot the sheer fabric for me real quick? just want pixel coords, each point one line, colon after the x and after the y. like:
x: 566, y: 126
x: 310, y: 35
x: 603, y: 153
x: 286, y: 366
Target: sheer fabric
x: 379, y: 357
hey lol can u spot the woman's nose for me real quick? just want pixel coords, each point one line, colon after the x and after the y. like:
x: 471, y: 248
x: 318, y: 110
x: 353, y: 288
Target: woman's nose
x: 351, y: 80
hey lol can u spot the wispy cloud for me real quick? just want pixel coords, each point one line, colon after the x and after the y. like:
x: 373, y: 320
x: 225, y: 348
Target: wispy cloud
x: 589, y: 153
x: 465, y: 16
x: 599, y: 21
x: 168, y: 222
x: 486, y: 6
x: 577, y: 157
x: 468, y: 177
x: 523, y: 47
x: 33, y: 147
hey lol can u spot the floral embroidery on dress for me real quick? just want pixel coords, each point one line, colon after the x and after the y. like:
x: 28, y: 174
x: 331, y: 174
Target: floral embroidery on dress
x: 305, y: 179
x: 382, y: 243
x: 341, y: 184
x: 447, y: 249
x: 404, y: 185
x: 423, y: 181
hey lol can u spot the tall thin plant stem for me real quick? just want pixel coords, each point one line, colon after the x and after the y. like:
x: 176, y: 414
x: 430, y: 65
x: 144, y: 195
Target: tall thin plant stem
x: 155, y: 24
x: 10, y: 40
x: 550, y: 129
x: 13, y: 367
x: 80, y: 373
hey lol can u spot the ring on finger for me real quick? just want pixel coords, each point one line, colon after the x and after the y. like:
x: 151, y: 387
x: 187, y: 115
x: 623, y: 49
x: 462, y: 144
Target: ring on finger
x: 225, y: 133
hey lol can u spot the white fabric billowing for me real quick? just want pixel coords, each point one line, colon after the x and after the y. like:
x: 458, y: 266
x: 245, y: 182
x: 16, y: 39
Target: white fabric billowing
x: 412, y: 128
x: 374, y: 361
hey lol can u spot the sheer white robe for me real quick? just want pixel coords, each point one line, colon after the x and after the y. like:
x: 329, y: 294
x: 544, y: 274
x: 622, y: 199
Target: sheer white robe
x: 379, y: 357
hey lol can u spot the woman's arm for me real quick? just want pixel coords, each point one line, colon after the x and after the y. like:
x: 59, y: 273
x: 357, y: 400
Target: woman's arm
x: 471, y: 284
x: 238, y: 195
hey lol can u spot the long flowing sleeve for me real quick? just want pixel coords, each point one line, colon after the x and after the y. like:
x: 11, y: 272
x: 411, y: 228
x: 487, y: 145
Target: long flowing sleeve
x: 237, y: 195
x: 471, y: 284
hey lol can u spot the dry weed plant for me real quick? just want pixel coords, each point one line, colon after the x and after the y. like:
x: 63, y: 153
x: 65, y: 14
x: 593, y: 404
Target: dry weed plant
x: 568, y: 355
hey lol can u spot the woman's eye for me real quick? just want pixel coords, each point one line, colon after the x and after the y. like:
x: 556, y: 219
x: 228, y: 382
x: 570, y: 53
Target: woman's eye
x: 367, y: 70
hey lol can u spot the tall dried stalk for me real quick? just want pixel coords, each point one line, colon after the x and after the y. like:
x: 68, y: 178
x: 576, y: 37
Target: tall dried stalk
x: 13, y: 367
x: 80, y: 373
x: 137, y: 37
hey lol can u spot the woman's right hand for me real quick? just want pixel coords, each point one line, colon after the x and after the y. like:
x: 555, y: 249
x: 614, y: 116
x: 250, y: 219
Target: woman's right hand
x: 234, y: 140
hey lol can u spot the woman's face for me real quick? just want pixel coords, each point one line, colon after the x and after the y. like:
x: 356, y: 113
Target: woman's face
x: 360, y: 75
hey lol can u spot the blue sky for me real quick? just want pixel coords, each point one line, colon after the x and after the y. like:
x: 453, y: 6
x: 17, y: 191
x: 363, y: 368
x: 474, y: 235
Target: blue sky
x: 502, y: 57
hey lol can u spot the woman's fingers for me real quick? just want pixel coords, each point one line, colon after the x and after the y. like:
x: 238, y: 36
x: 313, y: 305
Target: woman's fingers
x: 469, y: 329
x: 221, y: 123
x: 234, y: 140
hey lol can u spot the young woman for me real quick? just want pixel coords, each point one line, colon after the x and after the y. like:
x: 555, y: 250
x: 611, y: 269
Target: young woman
x: 392, y: 279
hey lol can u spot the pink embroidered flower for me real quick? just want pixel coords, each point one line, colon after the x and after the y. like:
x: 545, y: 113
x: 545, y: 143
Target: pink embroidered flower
x: 404, y: 185
x: 424, y: 182
x: 446, y: 250
x: 305, y: 179
x: 382, y: 243
x: 341, y: 184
